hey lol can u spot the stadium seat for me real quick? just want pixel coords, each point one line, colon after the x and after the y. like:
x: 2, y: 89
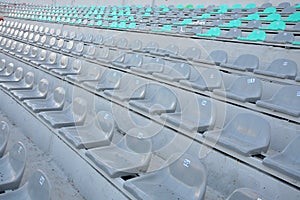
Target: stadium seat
x: 96, y: 133
x: 53, y: 102
x: 280, y: 68
x: 72, y: 115
x: 129, y: 156
x: 70, y: 69
x: 287, y: 161
x: 216, y: 57
x: 4, y: 136
x: 235, y: 135
x: 256, y: 35
x: 39, y: 91
x: 109, y: 80
x: 25, y: 84
x: 244, y: 62
x: 244, y: 89
x: 183, y: 178
x: 128, y: 60
x: 276, y: 25
x: 195, y: 114
x: 282, y: 38
x: 150, y: 66
x: 157, y: 100
x: 174, y: 72
x: 91, y: 72
x: 207, y: 80
x: 285, y: 100
x: 35, y: 188
x: 16, y: 76
x: 12, y: 166
x: 233, y: 33
x: 131, y: 88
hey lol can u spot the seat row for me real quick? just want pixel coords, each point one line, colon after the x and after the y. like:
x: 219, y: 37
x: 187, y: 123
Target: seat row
x: 73, y: 123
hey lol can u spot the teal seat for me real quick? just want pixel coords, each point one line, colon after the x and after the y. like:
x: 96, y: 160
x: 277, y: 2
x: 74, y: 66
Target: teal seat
x: 212, y: 32
x: 98, y: 23
x: 256, y: 35
x: 295, y: 17
x: 122, y: 25
x: 236, y: 6
x: 113, y: 25
x: 298, y: 5
x: 232, y: 24
x: 254, y: 16
x: 190, y: 6
x: 273, y: 17
x: 132, y: 25
x: 180, y: 7
x: 164, y: 28
x: 184, y: 22
x: 199, y: 6
x: 268, y: 10
x: 222, y: 9
x: 296, y: 43
x: 277, y: 25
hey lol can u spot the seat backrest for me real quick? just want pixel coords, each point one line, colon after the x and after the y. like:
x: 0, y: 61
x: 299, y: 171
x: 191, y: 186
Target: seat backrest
x: 292, y: 149
x: 77, y: 65
x: 79, y: 47
x: 164, y: 96
x: 247, y: 61
x: 249, y: 128
x: 10, y: 68
x: 106, y: 123
x: 122, y: 43
x: 38, y: 186
x: 19, y: 73
x: 2, y: 64
x: 257, y: 34
x: 152, y: 46
x: 59, y: 96
x: 136, y: 44
x: 112, y: 76
x: 136, y: 141
x: 98, y: 39
x: 172, y: 48
x: 64, y: 61
x: 52, y: 58
x: 189, y: 172
x: 29, y: 79
x: 43, y: 86
x: 288, y: 96
x: 192, y: 53
x: 245, y: 194
x: 284, y: 37
x: 183, y: 69
x: 17, y: 158
x: 4, y: 135
x: 88, y: 37
x: 284, y: 4
x: 79, y: 106
x: 213, y: 78
x: 247, y: 85
x: 218, y: 56
x: 283, y: 66
x: 234, y: 33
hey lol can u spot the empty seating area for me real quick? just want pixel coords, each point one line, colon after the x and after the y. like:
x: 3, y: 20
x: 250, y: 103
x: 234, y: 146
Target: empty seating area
x: 150, y: 102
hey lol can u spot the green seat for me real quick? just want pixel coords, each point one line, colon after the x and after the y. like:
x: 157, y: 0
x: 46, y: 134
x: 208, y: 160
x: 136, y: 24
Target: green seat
x: 268, y: 10
x: 236, y: 6
x: 273, y: 17
x: 277, y: 25
x: 296, y: 43
x: 132, y: 25
x: 232, y: 24
x: 212, y: 32
x: 295, y: 17
x: 254, y: 16
x: 256, y: 35
x: 190, y: 7
x: 98, y: 23
x: 180, y: 7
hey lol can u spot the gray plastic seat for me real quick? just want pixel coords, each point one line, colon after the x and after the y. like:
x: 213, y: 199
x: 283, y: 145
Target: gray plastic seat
x: 122, y: 43
x: 109, y: 80
x: 244, y: 62
x: 78, y: 49
x: 244, y: 89
x: 16, y: 76
x: 282, y: 38
x: 41, y: 58
x: 98, y: 39
x: 131, y: 87
x: 70, y: 69
x: 287, y: 161
x: 254, y: 24
x: 88, y: 38
x: 59, y: 44
x: 97, y: 133
x: 196, y: 114
x: 7, y: 71
x: 37, y: 187
x: 53, y: 102
x: 297, y: 78
x: 33, y: 54
x: 130, y: 156
x: 184, y: 178
x: 68, y: 46
x: 79, y: 37
x: 135, y: 45
x: 171, y: 49
x: 245, y: 194
x: 151, y: 46
x: 12, y: 166
x: 247, y: 134
x: 233, y: 33
x: 209, y: 79
x: 216, y: 57
x: 73, y: 115
x: 191, y: 53
x: 150, y: 66
x: 285, y: 100
x: 106, y: 55
x: 280, y: 68
x: 109, y: 42
x: 295, y: 28
x: 56, y: 61
x: 92, y: 72
x: 38, y: 92
x: 128, y: 60
x: 157, y: 100
x: 175, y: 72
x: 288, y: 10
x: 4, y: 136
x: 25, y: 84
